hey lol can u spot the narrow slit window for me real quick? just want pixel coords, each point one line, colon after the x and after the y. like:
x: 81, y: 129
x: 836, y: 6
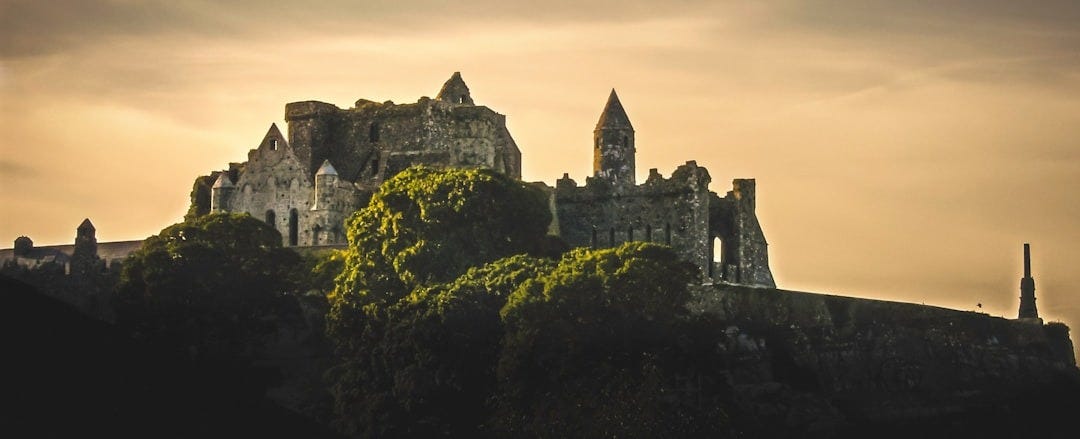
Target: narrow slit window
x: 294, y: 227
x: 373, y: 132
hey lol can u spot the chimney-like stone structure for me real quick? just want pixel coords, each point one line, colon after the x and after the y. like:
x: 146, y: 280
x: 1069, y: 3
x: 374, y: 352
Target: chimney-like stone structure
x: 1028, y: 311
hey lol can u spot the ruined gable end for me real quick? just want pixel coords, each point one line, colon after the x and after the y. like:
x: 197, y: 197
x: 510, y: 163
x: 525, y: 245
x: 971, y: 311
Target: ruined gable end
x: 273, y: 140
x: 455, y: 91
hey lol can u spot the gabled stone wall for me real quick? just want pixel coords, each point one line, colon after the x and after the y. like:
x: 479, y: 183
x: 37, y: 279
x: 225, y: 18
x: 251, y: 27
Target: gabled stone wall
x: 364, y: 145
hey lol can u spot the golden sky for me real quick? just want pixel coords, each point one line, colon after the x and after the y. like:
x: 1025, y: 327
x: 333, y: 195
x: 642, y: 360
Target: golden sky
x: 902, y: 150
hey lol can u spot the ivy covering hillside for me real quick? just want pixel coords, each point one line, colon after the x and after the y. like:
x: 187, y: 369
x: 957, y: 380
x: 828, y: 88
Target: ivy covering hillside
x: 453, y: 317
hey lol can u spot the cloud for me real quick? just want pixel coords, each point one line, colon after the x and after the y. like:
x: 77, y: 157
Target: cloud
x: 12, y: 170
x: 33, y: 27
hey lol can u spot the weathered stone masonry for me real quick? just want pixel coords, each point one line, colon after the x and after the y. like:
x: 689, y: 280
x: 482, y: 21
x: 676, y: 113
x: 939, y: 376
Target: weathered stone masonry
x: 679, y: 211
x: 306, y: 186
x: 333, y: 159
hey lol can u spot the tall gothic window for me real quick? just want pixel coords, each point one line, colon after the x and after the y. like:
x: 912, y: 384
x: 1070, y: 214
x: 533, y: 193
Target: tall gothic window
x: 271, y: 218
x: 294, y: 227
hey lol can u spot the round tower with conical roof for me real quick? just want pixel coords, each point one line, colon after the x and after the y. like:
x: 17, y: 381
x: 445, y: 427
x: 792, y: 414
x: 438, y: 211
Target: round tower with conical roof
x: 613, y: 144
x: 325, y: 180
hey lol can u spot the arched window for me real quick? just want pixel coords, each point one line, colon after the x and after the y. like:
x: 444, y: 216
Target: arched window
x: 716, y: 251
x: 271, y: 218
x: 273, y: 144
x: 294, y: 227
x: 592, y: 243
x: 373, y: 132
x: 461, y: 99
x: 667, y: 233
x: 629, y: 234
x: 648, y: 232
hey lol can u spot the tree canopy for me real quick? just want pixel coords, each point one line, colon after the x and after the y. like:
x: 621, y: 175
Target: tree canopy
x: 427, y: 226
x: 596, y: 346
x: 215, y: 284
x: 414, y: 313
x: 448, y: 321
x: 425, y: 365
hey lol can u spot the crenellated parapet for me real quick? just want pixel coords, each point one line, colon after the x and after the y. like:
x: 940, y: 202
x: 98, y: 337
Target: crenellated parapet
x: 306, y: 184
x: 687, y: 178
x: 721, y: 236
x: 672, y: 211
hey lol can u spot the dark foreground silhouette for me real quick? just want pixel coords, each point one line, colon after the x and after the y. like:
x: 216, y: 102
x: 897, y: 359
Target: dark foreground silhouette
x: 67, y: 375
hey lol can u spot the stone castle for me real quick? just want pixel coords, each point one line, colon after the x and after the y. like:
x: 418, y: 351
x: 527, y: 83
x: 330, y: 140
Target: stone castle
x: 800, y: 360
x: 306, y: 185
x: 333, y: 159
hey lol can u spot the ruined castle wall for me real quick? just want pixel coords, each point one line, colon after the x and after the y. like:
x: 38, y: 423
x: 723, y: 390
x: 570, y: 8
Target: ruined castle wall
x: 309, y: 131
x: 275, y: 180
x: 373, y: 141
x: 744, y: 255
x: 883, y: 361
x: 671, y: 211
x: 366, y: 144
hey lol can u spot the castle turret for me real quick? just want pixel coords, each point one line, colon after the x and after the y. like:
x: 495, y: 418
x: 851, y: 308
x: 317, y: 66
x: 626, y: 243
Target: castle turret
x: 455, y: 91
x: 23, y: 246
x: 84, y: 259
x: 85, y: 240
x: 1027, y: 290
x: 325, y: 180
x: 613, y: 144
x: 220, y: 193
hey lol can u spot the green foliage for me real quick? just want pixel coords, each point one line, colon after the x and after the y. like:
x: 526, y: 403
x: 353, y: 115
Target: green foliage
x: 216, y: 284
x: 317, y: 271
x: 424, y: 366
x: 435, y: 339
x: 597, y: 348
x: 426, y: 226
x: 200, y: 197
x: 417, y: 331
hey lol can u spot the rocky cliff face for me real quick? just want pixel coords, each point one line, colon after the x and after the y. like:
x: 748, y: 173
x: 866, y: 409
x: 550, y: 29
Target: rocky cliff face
x: 829, y: 365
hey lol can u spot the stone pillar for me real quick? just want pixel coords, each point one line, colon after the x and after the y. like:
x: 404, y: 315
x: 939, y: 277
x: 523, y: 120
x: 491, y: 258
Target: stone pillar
x: 1028, y: 311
